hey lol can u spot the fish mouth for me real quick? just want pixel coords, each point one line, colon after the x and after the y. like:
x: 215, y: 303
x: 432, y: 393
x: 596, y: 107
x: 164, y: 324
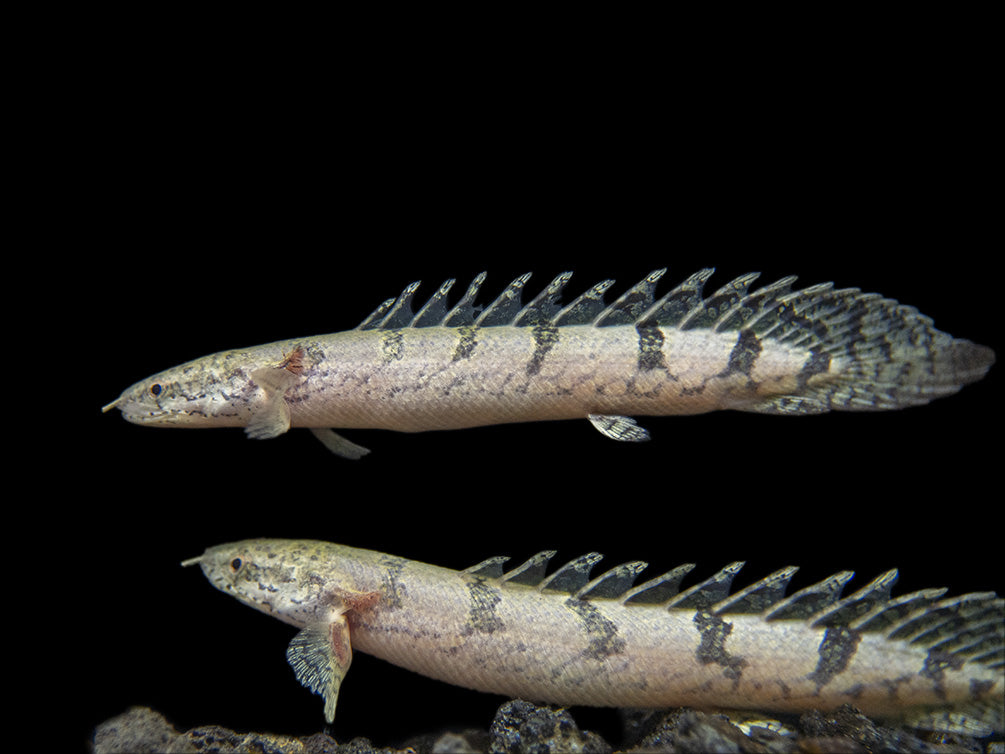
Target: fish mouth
x: 141, y: 416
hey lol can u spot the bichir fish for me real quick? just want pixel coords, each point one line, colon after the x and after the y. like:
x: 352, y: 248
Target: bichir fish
x: 772, y: 350
x: 565, y: 638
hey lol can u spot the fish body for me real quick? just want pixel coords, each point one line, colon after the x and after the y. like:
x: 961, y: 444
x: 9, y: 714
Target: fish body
x: 570, y: 639
x: 771, y: 350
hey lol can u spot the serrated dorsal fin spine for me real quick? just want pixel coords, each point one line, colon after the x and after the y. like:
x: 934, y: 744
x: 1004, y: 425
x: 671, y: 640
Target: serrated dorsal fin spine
x: 584, y: 308
x: 506, y: 307
x: 632, y: 303
x: 463, y: 313
x: 811, y: 600
x: 573, y: 576
x: 709, y: 592
x: 716, y: 306
x: 659, y: 590
x: 944, y: 619
x: 531, y: 571
x: 544, y: 307
x: 491, y: 568
x: 884, y: 616
x: 434, y: 311
x: 612, y: 584
x: 746, y: 312
x: 759, y: 596
x: 680, y: 302
x: 373, y: 320
x: 846, y: 610
x: 400, y: 314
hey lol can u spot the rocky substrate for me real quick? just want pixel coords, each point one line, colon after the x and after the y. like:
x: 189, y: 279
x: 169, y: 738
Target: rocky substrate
x: 523, y: 728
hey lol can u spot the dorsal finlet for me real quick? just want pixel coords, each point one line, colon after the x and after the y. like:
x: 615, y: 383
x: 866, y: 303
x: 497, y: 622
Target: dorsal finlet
x: 632, y: 303
x: 716, y: 306
x: 463, y: 313
x: 969, y: 627
x: 571, y: 577
x: 434, y: 311
x: 491, y: 568
x: 847, y: 609
x: 531, y: 571
x: 613, y: 583
x: 400, y: 314
x: 707, y: 593
x: 681, y: 301
x: 372, y: 321
x: 660, y: 590
x: 784, y: 320
x: 748, y: 310
x: 543, y: 308
x: 506, y: 307
x: 930, y: 623
x: 888, y: 614
x: 980, y: 636
x: 811, y: 600
x: 759, y: 596
x: 585, y: 307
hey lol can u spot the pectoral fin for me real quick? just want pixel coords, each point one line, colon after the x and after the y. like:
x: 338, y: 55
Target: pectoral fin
x: 320, y: 655
x: 271, y: 416
x: 622, y: 428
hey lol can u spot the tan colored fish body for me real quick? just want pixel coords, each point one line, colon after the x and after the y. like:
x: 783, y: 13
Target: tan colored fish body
x: 771, y: 351
x: 570, y: 640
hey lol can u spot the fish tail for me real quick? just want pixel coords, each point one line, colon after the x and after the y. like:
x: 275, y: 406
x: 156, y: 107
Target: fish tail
x: 867, y: 353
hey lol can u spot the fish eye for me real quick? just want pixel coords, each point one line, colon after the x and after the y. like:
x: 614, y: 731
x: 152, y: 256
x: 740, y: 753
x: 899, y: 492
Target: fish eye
x: 156, y: 389
x: 235, y: 565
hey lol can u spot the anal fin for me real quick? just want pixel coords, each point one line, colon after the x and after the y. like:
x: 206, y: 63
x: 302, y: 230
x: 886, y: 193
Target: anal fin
x: 621, y: 428
x: 787, y: 405
x: 320, y: 655
x: 339, y: 445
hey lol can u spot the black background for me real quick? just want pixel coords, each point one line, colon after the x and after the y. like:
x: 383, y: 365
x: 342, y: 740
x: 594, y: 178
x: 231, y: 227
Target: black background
x: 233, y: 199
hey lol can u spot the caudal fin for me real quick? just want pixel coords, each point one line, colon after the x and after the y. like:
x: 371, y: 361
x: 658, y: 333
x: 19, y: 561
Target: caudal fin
x: 868, y: 353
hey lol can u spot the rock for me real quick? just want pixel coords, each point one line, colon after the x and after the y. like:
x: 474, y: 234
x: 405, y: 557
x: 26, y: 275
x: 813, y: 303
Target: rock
x: 137, y: 731
x: 523, y: 728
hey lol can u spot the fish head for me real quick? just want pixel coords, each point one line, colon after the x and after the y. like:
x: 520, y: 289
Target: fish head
x: 274, y: 576
x: 214, y: 391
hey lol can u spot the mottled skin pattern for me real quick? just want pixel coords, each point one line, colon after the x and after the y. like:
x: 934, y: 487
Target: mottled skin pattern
x: 485, y: 631
x: 437, y: 381
x: 770, y: 351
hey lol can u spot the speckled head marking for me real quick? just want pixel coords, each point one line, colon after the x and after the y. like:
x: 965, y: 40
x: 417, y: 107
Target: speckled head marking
x: 260, y: 574
x: 212, y: 391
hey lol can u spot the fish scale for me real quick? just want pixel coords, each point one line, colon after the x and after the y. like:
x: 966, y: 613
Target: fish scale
x: 571, y: 639
x: 773, y: 350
